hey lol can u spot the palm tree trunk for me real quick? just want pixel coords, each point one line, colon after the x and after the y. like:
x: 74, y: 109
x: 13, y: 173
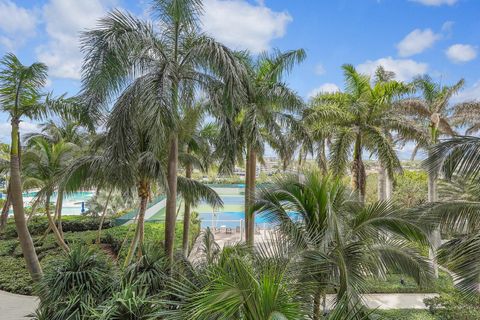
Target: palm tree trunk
x: 247, y: 190
x: 5, y: 209
x: 382, y: 183
x: 140, y: 229
x: 358, y: 170
x: 186, y: 216
x: 58, y: 211
x: 53, y: 227
x: 171, y: 203
x: 435, y: 237
x: 26, y: 242
x: 102, y: 218
x: 322, y: 158
x: 249, y: 197
x: 317, y: 305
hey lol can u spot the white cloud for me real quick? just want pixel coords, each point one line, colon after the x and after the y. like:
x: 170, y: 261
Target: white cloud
x: 17, y: 24
x: 25, y: 127
x: 319, y: 69
x: 64, y: 20
x: 324, y: 88
x: 459, y: 53
x: 242, y: 25
x: 416, y: 42
x: 405, y: 69
x: 436, y: 2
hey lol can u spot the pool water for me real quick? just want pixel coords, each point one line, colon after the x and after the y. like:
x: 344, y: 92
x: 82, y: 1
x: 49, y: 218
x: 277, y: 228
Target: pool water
x: 72, y: 202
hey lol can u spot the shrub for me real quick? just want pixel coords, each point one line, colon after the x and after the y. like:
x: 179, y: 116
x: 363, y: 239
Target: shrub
x: 77, y: 282
x: 454, y: 306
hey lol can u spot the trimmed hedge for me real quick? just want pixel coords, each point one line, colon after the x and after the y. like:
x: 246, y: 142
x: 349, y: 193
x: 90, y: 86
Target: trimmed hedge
x: 38, y: 225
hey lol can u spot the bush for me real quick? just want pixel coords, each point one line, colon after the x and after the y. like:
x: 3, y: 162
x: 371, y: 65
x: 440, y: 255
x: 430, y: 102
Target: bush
x: 14, y: 276
x: 454, y: 306
x: 79, y: 281
x: 38, y: 225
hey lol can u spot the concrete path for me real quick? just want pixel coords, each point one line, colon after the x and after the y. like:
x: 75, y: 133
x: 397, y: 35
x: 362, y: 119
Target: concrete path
x: 16, y: 307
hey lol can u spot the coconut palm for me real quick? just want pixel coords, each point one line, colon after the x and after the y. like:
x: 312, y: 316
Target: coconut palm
x: 362, y: 117
x: 43, y: 164
x: 341, y: 241
x: 269, y: 104
x: 163, y: 68
x: 21, y: 97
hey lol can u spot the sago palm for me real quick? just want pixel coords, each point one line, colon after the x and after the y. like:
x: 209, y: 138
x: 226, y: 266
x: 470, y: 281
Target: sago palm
x: 163, y: 67
x: 341, y: 242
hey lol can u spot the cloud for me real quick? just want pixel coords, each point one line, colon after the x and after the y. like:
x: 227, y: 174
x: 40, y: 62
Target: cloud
x: 17, y: 24
x: 319, y: 69
x: 64, y: 20
x: 25, y: 127
x: 459, y: 53
x: 405, y: 69
x: 324, y: 88
x: 436, y: 3
x: 242, y: 25
x: 416, y: 42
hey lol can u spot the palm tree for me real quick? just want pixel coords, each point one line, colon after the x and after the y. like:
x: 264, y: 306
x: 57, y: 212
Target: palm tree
x: 4, y: 170
x: 269, y: 104
x: 44, y: 162
x: 341, y: 241
x: 238, y: 285
x: 458, y: 157
x: 20, y: 96
x: 362, y: 117
x: 195, y: 140
x: 433, y: 110
x: 163, y: 68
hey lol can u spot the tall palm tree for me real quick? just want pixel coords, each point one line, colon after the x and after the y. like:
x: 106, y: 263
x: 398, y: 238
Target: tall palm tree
x: 458, y: 157
x: 340, y: 241
x: 269, y: 104
x: 163, y: 67
x: 44, y: 162
x: 20, y: 96
x: 195, y: 141
x: 362, y: 117
x: 433, y: 110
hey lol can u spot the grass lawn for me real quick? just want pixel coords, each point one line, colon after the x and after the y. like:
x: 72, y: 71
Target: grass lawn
x: 392, y: 284
x: 79, y: 230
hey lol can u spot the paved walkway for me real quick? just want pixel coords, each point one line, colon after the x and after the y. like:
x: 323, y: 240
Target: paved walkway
x: 16, y: 307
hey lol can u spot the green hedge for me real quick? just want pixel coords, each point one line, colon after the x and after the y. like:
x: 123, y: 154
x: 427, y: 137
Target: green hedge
x: 14, y: 276
x: 38, y: 225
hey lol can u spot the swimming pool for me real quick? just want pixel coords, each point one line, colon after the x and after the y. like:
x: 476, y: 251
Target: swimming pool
x: 72, y: 202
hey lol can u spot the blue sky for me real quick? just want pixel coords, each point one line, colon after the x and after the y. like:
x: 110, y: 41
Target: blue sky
x: 439, y: 37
